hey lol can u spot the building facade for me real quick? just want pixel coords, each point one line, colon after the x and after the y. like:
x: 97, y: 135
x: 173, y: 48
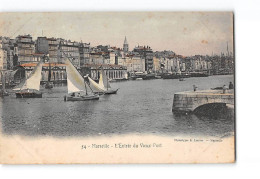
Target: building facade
x: 42, y: 45
x: 117, y: 72
x: 58, y: 71
x: 146, y: 53
x: 25, y: 48
x: 84, y: 51
x: 69, y: 49
x: 53, y: 49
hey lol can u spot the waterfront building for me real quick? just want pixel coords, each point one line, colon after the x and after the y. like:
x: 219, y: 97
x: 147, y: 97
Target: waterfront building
x: 134, y: 63
x: 157, y: 64
x: 58, y: 71
x: 117, y: 72
x: 26, y: 49
x: 146, y: 53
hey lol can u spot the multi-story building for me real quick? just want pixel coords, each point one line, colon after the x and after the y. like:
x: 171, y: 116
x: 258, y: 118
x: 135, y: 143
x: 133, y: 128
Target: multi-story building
x: 8, y: 45
x: 134, y: 63
x: 3, y: 59
x: 49, y: 46
x: 146, y: 53
x: 84, y: 50
x: 97, y: 57
x: 42, y: 45
x: 53, y: 49
x: 158, y: 64
x: 26, y: 48
x: 69, y: 49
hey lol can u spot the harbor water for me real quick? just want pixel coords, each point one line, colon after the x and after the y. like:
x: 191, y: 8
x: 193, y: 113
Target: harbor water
x: 139, y: 107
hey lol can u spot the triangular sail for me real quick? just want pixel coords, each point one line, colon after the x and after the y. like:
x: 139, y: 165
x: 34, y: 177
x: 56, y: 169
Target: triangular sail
x: 103, y: 80
x: 20, y: 85
x: 34, y: 79
x: 75, y: 81
x: 95, y: 86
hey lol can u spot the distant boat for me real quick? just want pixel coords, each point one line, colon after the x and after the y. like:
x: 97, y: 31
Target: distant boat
x: 78, y: 90
x: 170, y: 76
x: 139, y: 79
x: 149, y: 76
x: 199, y: 74
x: 103, y: 86
x: 49, y: 84
x: 30, y: 87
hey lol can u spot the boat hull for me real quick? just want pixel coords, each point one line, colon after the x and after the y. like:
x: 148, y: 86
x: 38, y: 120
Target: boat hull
x: 170, y: 76
x: 81, y: 98
x: 111, y: 92
x: 28, y: 95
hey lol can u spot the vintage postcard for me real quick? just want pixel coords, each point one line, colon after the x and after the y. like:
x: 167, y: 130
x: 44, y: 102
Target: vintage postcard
x: 117, y: 87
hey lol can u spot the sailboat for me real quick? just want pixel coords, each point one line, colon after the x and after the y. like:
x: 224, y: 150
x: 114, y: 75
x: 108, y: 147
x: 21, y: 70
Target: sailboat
x: 30, y: 87
x: 78, y: 90
x: 103, y: 86
x: 49, y: 84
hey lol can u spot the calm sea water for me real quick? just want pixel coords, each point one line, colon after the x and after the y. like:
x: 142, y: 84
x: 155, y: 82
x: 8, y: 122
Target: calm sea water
x: 142, y: 107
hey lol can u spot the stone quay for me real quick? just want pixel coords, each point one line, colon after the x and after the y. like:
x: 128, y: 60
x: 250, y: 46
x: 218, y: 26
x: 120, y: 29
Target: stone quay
x: 188, y: 101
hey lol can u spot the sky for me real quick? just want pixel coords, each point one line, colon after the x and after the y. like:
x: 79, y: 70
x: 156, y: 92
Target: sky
x: 185, y: 33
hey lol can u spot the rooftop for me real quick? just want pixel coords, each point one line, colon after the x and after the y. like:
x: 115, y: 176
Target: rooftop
x: 103, y: 65
x: 45, y: 64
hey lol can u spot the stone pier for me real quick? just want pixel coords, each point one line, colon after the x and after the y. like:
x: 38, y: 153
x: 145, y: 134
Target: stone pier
x: 190, y: 100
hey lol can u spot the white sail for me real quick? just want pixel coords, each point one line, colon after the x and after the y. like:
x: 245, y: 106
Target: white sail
x: 95, y: 86
x: 75, y: 81
x: 34, y: 79
x: 20, y: 85
x: 103, y: 80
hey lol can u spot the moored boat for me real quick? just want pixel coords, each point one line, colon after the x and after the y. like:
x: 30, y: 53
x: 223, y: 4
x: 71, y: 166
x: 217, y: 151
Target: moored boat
x: 78, y: 89
x: 170, y: 76
x: 199, y: 74
x: 30, y: 87
x: 149, y: 76
x: 103, y: 86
